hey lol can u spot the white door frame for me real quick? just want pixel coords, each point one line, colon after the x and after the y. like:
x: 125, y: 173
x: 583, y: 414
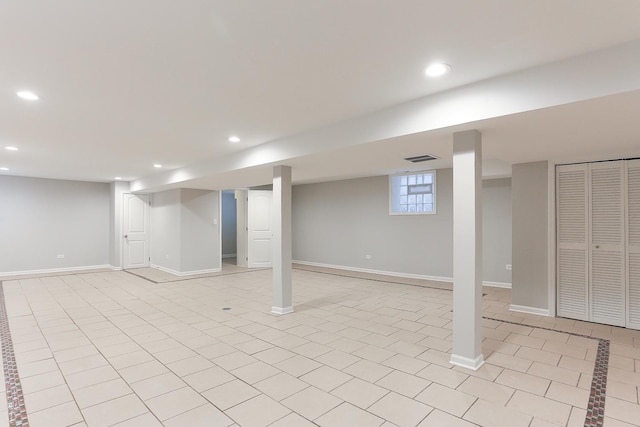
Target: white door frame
x: 123, y: 239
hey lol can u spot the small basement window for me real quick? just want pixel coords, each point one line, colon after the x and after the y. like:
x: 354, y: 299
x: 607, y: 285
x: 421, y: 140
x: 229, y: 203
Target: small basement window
x: 412, y: 193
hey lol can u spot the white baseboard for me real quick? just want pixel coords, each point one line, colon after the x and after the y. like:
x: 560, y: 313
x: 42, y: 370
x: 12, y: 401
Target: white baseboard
x: 114, y: 268
x: 284, y: 310
x: 529, y: 310
x: 386, y: 273
x: 229, y: 256
x: 186, y: 273
x: 54, y: 270
x: 397, y: 274
x: 496, y: 284
x: 468, y: 363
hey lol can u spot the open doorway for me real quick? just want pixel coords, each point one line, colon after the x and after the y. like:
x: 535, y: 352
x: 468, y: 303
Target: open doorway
x: 229, y: 236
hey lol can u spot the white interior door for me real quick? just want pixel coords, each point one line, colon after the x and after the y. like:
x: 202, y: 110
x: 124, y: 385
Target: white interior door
x: 607, y: 241
x: 135, y: 231
x: 633, y: 244
x: 572, y: 230
x: 260, y: 228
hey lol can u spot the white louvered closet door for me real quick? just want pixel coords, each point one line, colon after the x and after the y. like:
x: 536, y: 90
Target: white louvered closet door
x: 607, y: 243
x: 573, y: 254
x: 633, y: 244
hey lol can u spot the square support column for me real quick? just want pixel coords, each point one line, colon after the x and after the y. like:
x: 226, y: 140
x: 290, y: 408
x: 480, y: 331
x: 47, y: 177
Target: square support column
x: 467, y: 250
x: 282, y: 295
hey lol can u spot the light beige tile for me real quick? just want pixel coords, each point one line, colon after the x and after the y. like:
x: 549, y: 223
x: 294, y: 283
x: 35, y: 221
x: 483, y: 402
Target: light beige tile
x: 62, y: 415
x: 230, y: 394
x: 403, y: 383
x: 373, y: 353
x: 101, y: 392
x: 400, y: 410
x: 349, y: 415
x: 622, y: 410
x: 297, y: 365
x: 174, y: 402
x: 553, y: 373
x: 360, y: 393
x: 114, y: 411
x: 448, y: 400
x: 540, y: 407
x: 565, y: 349
x: 622, y: 391
x: 293, y: 420
x: 524, y: 382
x: 509, y: 362
x: 337, y: 359
x: 255, y: 372
x: 438, y: 418
x: 445, y: 376
x: 144, y: 420
x: 207, y: 379
x: 573, y: 364
x: 42, y: 381
x: 37, y: 367
x: 367, y: 370
x: 326, y: 378
x: 485, y: 413
x: 155, y: 386
x: 47, y: 398
x: 311, y: 402
x: 487, y: 390
x: 143, y: 371
x: 573, y: 396
x: 258, y: 411
x: 91, y: 377
x: 281, y: 386
x: 536, y: 355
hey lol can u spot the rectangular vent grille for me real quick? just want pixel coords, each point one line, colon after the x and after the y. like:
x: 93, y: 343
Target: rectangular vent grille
x: 422, y: 158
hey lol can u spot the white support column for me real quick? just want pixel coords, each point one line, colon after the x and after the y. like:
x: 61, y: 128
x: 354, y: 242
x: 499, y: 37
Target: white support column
x: 467, y: 250
x: 282, y: 299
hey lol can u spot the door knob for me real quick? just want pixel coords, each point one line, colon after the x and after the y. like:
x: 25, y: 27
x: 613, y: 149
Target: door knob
x: 126, y: 236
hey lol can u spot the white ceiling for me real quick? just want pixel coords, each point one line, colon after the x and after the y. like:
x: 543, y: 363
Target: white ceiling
x: 126, y: 84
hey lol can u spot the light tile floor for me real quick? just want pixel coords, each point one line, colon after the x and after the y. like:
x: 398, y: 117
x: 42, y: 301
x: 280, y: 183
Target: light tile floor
x: 115, y: 349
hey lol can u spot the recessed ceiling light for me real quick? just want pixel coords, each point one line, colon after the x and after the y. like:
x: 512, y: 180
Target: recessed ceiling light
x: 437, y: 70
x: 4, y: 169
x: 29, y: 96
x: 117, y: 178
x: 10, y: 148
x: 234, y: 139
x: 157, y: 165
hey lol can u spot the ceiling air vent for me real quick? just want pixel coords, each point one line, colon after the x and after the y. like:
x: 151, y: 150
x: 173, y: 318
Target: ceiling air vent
x: 422, y: 158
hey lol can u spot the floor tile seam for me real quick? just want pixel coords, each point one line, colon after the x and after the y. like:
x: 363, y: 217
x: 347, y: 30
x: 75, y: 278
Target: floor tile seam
x: 192, y: 278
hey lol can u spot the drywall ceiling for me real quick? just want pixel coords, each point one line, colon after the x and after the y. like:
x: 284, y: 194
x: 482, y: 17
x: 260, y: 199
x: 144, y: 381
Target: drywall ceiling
x: 126, y: 84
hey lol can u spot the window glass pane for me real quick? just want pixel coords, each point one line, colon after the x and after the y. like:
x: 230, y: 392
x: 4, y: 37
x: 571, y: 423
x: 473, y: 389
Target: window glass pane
x: 419, y: 179
x: 419, y: 198
x: 412, y: 208
x: 428, y: 178
x: 428, y: 208
x: 412, y: 180
x: 403, y: 208
x: 403, y: 180
x: 420, y: 207
x: 412, y: 199
x: 403, y: 190
x: 403, y: 200
x: 412, y: 193
x: 428, y: 198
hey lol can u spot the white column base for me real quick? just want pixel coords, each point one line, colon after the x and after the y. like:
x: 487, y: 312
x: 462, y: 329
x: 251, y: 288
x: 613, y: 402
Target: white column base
x: 281, y: 310
x: 465, y: 362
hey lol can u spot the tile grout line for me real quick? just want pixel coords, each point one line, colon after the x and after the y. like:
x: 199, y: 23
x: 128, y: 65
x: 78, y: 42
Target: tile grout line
x: 597, y: 393
x: 15, y: 398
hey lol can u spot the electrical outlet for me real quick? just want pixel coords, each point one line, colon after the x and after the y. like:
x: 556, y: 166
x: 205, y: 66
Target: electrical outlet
x: 367, y: 256
x: 60, y: 256
x: 508, y: 267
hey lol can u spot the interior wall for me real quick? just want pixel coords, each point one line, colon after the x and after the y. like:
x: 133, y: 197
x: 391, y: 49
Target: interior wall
x: 340, y: 223
x: 229, y: 224
x: 165, y: 229
x: 43, y: 218
x: 530, y: 200
x: 200, y: 236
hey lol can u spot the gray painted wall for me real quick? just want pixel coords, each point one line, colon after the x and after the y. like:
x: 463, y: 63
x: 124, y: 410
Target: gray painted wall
x: 165, y: 229
x: 530, y: 234
x: 496, y: 229
x: 229, y: 223
x: 340, y: 222
x: 184, y: 237
x: 200, y: 238
x: 41, y: 218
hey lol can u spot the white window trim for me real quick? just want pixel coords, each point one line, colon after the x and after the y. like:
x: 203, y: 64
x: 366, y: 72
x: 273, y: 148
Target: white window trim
x: 435, y: 189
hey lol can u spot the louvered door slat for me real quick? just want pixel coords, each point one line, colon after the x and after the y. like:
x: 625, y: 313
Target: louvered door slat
x: 607, y: 240
x: 633, y: 244
x: 572, y: 268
